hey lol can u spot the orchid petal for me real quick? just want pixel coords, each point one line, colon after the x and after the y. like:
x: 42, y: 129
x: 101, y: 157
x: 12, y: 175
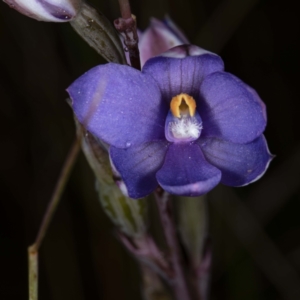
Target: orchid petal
x: 184, y: 74
x: 186, y: 172
x: 258, y: 100
x: 47, y: 10
x: 119, y: 105
x: 240, y: 164
x: 229, y: 110
x: 175, y: 29
x: 187, y: 50
x: 158, y: 38
x: 138, y: 165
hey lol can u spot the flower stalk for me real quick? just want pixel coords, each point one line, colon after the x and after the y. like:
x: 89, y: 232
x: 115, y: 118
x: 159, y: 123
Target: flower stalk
x: 126, y: 25
x: 125, y: 9
x: 34, y: 248
x: 192, y: 215
x: 33, y: 273
x: 179, y: 285
x: 153, y: 289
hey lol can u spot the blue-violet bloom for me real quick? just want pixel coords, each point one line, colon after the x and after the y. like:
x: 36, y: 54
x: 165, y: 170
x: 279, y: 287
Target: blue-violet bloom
x: 47, y: 10
x: 181, y: 123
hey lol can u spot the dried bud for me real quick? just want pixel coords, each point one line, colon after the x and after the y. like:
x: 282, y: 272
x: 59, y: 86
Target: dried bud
x: 47, y: 10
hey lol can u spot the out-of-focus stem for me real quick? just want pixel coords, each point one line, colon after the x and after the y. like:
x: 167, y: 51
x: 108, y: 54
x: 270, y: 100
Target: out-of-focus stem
x: 62, y: 180
x: 33, y: 249
x: 179, y: 285
x: 125, y: 9
x: 33, y: 273
x: 192, y: 223
x: 127, y: 27
x: 153, y: 289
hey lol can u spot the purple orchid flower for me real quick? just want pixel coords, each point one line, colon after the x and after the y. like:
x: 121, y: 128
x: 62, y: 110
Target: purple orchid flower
x: 47, y: 10
x: 181, y: 123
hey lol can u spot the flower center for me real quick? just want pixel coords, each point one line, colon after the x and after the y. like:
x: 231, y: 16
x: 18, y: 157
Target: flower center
x: 183, y: 123
x: 183, y: 104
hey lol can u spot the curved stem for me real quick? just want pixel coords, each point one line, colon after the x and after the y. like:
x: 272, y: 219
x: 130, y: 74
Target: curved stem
x: 165, y: 211
x: 62, y: 180
x: 34, y: 248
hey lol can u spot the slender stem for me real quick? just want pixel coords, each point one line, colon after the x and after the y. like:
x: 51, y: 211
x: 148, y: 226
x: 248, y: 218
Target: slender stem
x: 33, y: 249
x: 127, y: 27
x: 125, y: 9
x: 193, y: 230
x: 153, y: 288
x: 165, y: 212
x: 33, y: 273
x: 62, y: 180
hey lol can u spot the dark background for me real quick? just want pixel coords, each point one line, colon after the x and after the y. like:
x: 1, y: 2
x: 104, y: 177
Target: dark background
x: 255, y: 230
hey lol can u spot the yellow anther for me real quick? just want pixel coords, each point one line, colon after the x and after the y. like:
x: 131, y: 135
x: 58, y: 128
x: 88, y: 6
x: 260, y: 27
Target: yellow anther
x: 183, y: 104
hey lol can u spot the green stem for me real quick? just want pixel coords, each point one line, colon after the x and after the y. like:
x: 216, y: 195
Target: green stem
x: 33, y: 249
x: 179, y: 284
x: 62, y: 180
x: 33, y: 273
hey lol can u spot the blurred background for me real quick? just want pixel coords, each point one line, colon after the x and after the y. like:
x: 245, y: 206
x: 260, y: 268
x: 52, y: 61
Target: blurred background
x: 255, y: 230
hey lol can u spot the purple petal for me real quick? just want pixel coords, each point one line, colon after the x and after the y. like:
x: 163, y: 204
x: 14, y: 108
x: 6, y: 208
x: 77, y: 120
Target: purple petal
x: 186, y: 172
x: 138, y: 166
x: 186, y: 50
x: 119, y: 105
x: 229, y: 110
x: 47, y: 10
x: 240, y: 164
x: 158, y: 38
x: 58, y: 11
x: 175, y: 29
x: 258, y: 100
x: 184, y: 74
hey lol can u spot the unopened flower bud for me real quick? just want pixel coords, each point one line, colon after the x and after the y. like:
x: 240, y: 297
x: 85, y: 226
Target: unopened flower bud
x: 159, y: 37
x: 47, y: 10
